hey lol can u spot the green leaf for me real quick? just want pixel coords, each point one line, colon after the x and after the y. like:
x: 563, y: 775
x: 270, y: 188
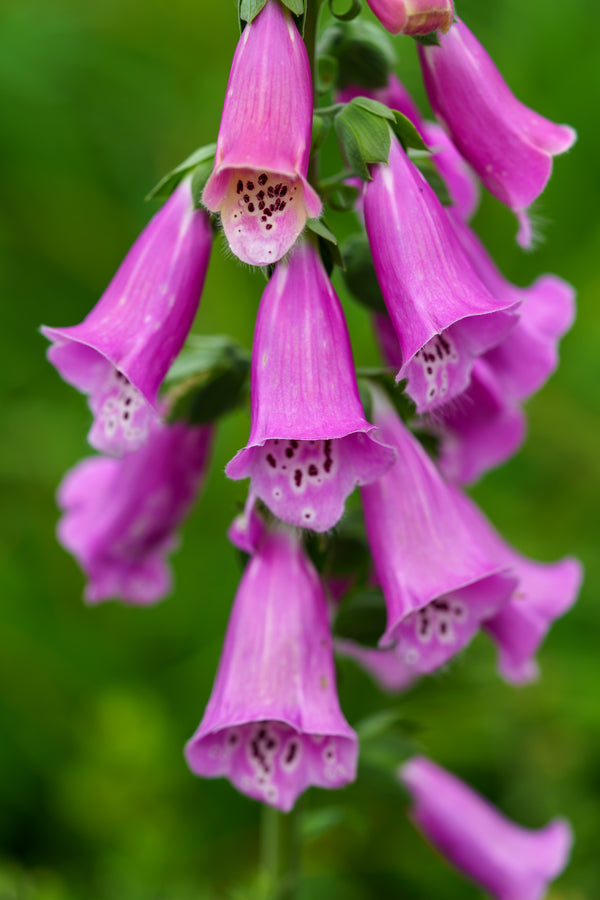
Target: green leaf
x: 343, y: 197
x: 359, y: 273
x: 249, y: 9
x: 362, y: 618
x: 428, y: 168
x: 383, y: 722
x: 364, y: 53
x: 348, y: 14
x: 364, y: 137
x: 320, y: 130
x: 296, y: 7
x: 167, y: 184
x: 327, y: 69
x: 375, y: 107
x: 318, y: 227
x: 208, y: 379
x: 316, y: 822
x: 428, y: 40
x: 406, y: 132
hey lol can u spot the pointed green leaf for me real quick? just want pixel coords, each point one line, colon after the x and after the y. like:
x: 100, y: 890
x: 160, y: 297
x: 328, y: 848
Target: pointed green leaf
x: 296, y: 7
x: 364, y: 138
x: 167, y: 184
x: 318, y: 227
x: 375, y: 107
x: 406, y: 132
x: 249, y: 9
x: 428, y: 40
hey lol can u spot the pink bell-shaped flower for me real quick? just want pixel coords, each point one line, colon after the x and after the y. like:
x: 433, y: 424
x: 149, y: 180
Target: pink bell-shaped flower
x: 443, y: 314
x: 259, y: 181
x: 120, y: 515
x: 439, y: 580
x: 121, y: 352
x: 273, y: 724
x: 413, y: 16
x: 309, y: 444
x: 506, y: 860
x: 509, y: 146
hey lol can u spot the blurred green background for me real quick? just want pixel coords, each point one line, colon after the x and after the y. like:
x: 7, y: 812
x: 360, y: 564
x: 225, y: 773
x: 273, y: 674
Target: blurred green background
x: 96, y: 102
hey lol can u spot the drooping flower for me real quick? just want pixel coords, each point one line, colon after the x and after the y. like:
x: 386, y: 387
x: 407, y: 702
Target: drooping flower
x: 309, y: 444
x: 120, y: 516
x: 121, y: 352
x: 509, y: 146
x: 485, y: 425
x: 273, y: 724
x: 259, y: 181
x: 511, y: 862
x: 413, y: 16
x: 386, y: 666
x: 443, y: 314
x: 439, y: 580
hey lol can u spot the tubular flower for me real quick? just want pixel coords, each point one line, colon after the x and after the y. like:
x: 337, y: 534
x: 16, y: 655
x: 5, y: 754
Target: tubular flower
x: 509, y: 146
x: 438, y: 578
x: 413, y: 16
x: 309, y: 443
x: 511, y: 862
x: 443, y: 314
x: 273, y: 724
x: 259, y: 181
x: 120, y: 515
x: 121, y: 352
x: 386, y: 667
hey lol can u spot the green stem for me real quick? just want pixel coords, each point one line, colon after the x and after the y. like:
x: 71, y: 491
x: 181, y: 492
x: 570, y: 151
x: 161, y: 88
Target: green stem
x: 280, y: 852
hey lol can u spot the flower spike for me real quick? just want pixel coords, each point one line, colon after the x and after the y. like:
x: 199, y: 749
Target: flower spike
x: 273, y: 724
x: 413, y: 16
x: 121, y: 352
x: 259, y: 181
x: 309, y: 444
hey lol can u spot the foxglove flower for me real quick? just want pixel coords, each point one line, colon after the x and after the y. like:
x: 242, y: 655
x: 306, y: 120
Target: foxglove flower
x: 120, y: 516
x: 259, y: 181
x: 413, y: 16
x: 485, y: 425
x: 509, y: 146
x: 508, y: 861
x: 309, y: 443
x: 121, y: 352
x: 443, y: 315
x: 273, y: 724
x: 438, y: 578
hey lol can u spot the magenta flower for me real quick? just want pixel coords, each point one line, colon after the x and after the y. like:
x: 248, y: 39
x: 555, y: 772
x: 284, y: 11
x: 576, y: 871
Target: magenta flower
x: 506, y: 860
x: 273, y: 724
x: 508, y: 145
x: 485, y: 425
x: 259, y: 181
x: 386, y: 667
x: 120, y: 515
x: 439, y: 580
x: 443, y: 315
x: 309, y: 443
x: 121, y: 352
x: 413, y: 16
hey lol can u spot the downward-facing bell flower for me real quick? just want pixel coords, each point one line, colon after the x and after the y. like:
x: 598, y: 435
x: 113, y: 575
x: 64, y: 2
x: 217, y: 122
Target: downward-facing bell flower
x: 508, y: 145
x: 508, y: 861
x: 259, y: 181
x: 439, y: 580
x: 120, y: 515
x: 121, y: 352
x: 273, y: 724
x: 309, y: 444
x: 443, y: 314
x: 413, y: 16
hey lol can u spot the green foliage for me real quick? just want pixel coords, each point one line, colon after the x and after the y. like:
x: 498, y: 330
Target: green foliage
x: 359, y: 272
x: 364, y: 136
x: 364, y: 53
x: 200, y: 161
x: 347, y: 14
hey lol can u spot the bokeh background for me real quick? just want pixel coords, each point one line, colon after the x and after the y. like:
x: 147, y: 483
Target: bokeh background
x: 96, y: 102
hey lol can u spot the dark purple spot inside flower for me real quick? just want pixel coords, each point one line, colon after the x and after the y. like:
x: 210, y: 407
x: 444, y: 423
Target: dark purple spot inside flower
x: 246, y: 198
x: 272, y: 207
x: 268, y: 227
x: 251, y: 207
x: 260, y: 195
x: 250, y: 185
x: 278, y: 188
x: 262, y: 179
x: 268, y: 212
x: 240, y: 187
x: 261, y: 205
x: 281, y: 205
x: 429, y: 370
x: 263, y: 218
x: 439, y: 351
x: 270, y: 191
x: 271, y: 461
x: 312, y: 470
x: 283, y: 190
x: 294, y: 444
x: 298, y: 477
x: 291, y: 752
x: 444, y: 343
x: 289, y: 452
